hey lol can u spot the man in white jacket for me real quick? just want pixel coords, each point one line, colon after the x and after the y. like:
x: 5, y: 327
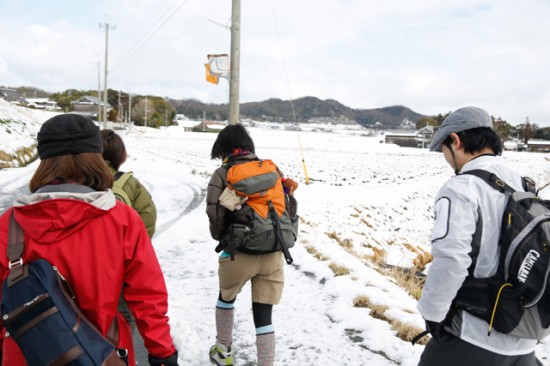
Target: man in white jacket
x: 464, y: 239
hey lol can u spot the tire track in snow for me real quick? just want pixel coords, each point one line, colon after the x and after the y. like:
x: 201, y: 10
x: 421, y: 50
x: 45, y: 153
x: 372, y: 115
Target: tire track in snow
x: 199, y: 194
x: 7, y: 195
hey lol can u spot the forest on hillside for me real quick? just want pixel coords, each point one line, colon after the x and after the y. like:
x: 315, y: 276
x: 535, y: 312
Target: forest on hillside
x: 160, y: 111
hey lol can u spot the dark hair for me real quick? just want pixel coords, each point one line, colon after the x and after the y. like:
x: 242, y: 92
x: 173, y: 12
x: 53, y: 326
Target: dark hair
x: 477, y: 139
x: 86, y: 168
x: 230, y: 138
x: 114, y: 151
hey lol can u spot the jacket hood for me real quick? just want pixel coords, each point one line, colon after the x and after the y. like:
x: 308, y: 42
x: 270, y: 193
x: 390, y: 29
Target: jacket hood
x: 51, y: 215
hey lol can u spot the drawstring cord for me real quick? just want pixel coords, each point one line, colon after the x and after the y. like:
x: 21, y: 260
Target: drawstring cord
x: 495, y: 307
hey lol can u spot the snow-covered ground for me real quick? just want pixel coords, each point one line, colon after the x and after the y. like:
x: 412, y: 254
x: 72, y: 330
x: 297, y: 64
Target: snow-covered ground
x: 18, y: 126
x: 364, y: 200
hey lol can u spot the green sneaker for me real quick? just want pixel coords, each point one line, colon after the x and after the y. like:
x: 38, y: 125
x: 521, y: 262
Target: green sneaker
x: 221, y: 355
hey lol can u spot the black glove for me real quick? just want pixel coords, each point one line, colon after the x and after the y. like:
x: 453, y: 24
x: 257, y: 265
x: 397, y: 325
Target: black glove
x: 168, y: 361
x: 437, y: 331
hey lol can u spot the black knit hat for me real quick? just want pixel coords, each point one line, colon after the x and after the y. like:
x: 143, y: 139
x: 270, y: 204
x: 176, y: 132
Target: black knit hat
x: 68, y: 134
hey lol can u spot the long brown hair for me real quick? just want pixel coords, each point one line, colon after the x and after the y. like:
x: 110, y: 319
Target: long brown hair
x: 86, y: 168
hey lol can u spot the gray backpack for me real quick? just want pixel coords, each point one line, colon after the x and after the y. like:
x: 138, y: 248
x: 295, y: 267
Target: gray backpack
x: 516, y: 300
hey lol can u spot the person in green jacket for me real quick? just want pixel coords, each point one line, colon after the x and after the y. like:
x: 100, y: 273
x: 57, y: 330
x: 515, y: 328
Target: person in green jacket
x: 133, y: 192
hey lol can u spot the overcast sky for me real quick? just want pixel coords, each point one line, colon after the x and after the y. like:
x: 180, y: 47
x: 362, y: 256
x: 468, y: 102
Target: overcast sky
x: 429, y: 55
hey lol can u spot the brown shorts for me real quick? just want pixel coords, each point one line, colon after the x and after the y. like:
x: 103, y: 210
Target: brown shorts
x: 265, y: 272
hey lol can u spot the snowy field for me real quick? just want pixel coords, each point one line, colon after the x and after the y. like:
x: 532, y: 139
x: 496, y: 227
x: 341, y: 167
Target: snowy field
x: 365, y: 201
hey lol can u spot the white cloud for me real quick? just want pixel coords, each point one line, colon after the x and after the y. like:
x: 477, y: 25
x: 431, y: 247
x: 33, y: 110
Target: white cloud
x: 429, y: 55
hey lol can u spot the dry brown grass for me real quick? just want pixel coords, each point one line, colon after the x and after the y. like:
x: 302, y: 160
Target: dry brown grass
x: 378, y: 256
x: 339, y: 270
x: 367, y: 223
x: 405, y: 331
x: 407, y: 279
x: 316, y: 254
x: 4, y: 155
x: 311, y: 249
x: 23, y: 156
x: 377, y: 311
x: 344, y: 243
x: 5, y: 160
x: 362, y: 301
x: 321, y: 257
x: 306, y: 222
x: 422, y: 257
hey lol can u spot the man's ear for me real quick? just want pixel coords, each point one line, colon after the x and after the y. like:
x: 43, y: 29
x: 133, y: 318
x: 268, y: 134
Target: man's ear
x: 456, y: 141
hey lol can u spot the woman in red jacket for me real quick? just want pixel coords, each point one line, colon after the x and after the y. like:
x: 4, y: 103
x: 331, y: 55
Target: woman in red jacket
x: 99, y: 244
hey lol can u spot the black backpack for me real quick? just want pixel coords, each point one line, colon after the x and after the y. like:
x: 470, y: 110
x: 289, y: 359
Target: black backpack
x: 516, y: 300
x: 40, y: 314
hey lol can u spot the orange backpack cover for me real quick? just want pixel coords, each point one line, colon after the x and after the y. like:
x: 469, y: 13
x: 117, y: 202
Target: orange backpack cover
x: 259, y: 181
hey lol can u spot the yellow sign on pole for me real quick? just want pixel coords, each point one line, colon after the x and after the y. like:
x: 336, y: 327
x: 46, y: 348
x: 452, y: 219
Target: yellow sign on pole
x: 211, y: 78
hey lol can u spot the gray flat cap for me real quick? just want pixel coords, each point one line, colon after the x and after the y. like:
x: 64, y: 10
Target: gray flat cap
x: 460, y: 120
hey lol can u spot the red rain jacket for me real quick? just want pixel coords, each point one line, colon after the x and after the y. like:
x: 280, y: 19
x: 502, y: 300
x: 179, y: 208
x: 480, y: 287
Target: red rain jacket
x: 99, y: 245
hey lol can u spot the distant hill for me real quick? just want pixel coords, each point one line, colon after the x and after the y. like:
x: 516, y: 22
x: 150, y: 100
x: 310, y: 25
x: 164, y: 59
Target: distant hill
x: 307, y: 109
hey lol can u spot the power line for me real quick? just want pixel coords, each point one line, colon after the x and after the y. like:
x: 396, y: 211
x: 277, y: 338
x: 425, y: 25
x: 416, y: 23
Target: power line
x: 142, y: 41
x: 289, y: 94
x: 283, y: 62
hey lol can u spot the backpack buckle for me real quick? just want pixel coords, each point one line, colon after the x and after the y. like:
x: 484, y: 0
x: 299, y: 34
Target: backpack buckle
x: 499, y: 182
x: 14, y: 263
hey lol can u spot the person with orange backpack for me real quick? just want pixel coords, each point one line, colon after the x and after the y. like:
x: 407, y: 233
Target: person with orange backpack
x: 252, y: 213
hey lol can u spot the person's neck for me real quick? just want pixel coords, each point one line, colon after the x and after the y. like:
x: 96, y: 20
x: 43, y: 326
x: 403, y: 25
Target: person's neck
x: 467, y: 157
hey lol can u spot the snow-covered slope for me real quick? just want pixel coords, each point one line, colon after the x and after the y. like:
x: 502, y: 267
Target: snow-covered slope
x: 18, y: 128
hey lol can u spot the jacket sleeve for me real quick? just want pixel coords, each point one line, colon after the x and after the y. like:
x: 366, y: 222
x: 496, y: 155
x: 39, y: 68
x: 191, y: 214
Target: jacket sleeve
x: 142, y: 203
x: 455, y: 224
x: 4, y: 225
x: 217, y: 214
x: 145, y: 291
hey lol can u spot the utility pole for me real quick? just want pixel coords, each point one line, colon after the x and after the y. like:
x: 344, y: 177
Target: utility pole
x: 146, y: 111
x: 98, y: 91
x: 106, y: 26
x: 129, y: 108
x: 119, y: 114
x: 235, y: 62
